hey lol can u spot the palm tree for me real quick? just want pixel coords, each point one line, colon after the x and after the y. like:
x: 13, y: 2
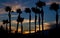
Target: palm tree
x: 19, y: 11
x: 39, y: 12
x: 6, y: 22
x: 40, y: 4
x: 21, y: 21
x: 36, y: 11
x: 8, y: 9
x: 27, y: 10
x: 55, y: 7
x: 18, y: 20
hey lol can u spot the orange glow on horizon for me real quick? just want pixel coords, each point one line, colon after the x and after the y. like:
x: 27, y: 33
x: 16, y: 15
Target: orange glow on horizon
x: 46, y: 27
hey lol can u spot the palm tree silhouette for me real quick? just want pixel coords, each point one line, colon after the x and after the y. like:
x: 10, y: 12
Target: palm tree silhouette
x: 40, y: 4
x: 36, y: 11
x: 18, y: 20
x: 55, y: 7
x: 27, y: 10
x: 21, y: 20
x: 39, y: 12
x: 8, y: 9
x: 6, y: 22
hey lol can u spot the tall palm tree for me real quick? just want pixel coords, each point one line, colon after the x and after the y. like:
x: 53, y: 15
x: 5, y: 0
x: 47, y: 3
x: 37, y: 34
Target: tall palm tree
x: 8, y: 9
x: 40, y: 4
x: 55, y: 7
x: 6, y: 22
x: 27, y: 10
x: 18, y: 20
x: 36, y: 11
x: 39, y: 12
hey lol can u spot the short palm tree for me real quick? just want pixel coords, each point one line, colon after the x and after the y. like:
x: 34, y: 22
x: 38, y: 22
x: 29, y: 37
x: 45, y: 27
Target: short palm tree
x: 6, y: 22
x: 27, y: 10
x: 21, y: 21
x: 8, y: 9
x: 18, y: 20
x: 55, y: 7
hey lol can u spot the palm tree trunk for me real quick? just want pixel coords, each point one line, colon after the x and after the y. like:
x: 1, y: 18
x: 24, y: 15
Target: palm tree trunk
x: 9, y: 22
x: 42, y: 23
x: 42, y: 15
x: 6, y: 27
x: 21, y: 28
x: 35, y: 22
x: 29, y: 22
x: 57, y: 19
x: 39, y: 22
x: 17, y: 26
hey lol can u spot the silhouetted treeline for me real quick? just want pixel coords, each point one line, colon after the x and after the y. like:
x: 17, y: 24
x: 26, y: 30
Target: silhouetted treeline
x: 52, y: 33
x: 38, y: 9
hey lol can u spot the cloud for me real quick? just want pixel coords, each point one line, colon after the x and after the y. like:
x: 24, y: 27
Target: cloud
x: 25, y: 21
x: 14, y: 16
x: 0, y: 23
x: 47, y: 26
x: 49, y: 3
x: 2, y: 11
x: 14, y: 6
x: 54, y: 0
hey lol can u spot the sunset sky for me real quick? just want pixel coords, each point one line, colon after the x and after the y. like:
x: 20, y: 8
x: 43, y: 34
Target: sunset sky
x: 49, y: 15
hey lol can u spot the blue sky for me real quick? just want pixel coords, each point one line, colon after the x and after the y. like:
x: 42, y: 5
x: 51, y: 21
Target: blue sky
x: 49, y: 15
x: 26, y: 3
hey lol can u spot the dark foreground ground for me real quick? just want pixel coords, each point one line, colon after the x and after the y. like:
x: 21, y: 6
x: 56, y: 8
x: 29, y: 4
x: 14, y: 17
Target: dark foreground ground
x: 52, y: 33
